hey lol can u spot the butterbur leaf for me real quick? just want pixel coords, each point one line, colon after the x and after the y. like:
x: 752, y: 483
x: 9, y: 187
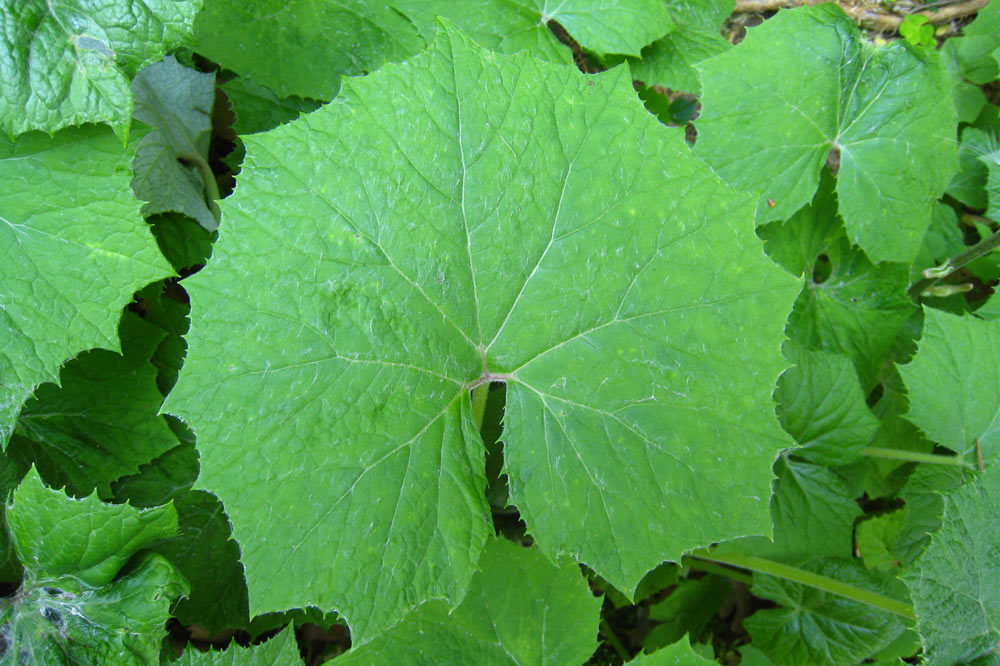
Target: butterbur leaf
x: 924, y: 506
x: 71, y: 608
x: 953, y: 584
x: 73, y: 250
x: 469, y: 217
x: 969, y: 184
x: 973, y: 51
x: 280, y: 649
x: 70, y: 63
x: 171, y: 162
x: 880, y: 107
x: 622, y: 27
x: 103, y: 422
x: 309, y: 44
x: 520, y: 610
x: 258, y: 109
x: 812, y: 626
x: 957, y: 357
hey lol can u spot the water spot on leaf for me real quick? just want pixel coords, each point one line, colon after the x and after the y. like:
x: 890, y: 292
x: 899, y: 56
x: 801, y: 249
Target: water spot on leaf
x: 88, y: 43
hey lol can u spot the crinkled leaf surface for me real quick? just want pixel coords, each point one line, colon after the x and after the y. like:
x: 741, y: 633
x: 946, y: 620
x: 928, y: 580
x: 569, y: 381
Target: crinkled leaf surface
x: 280, y: 649
x: 958, y: 357
x: 68, y: 610
x: 309, y: 44
x: 73, y: 250
x: 807, y: 82
x: 954, y: 583
x: 171, y: 162
x: 821, y: 406
x: 508, y: 26
x: 468, y: 217
x: 520, y: 610
x: 670, y: 61
x: 55, y: 535
x: 812, y: 626
x: 70, y: 63
x: 102, y: 423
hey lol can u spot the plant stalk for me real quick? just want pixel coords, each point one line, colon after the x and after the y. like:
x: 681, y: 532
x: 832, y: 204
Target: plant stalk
x: 820, y: 582
x: 479, y: 396
x: 614, y: 641
x: 915, y: 456
x: 960, y: 260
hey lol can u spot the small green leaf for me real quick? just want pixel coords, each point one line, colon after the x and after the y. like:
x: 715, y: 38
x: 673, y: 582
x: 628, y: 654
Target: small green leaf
x: 954, y: 583
x: 56, y: 536
x: 171, y: 162
x: 815, y: 627
x: 807, y: 82
x: 69, y: 63
x: 520, y: 610
x: 103, y: 421
x: 916, y: 31
x: 280, y: 649
x: 82, y: 251
x: 957, y: 358
x: 821, y: 405
x: 679, y: 654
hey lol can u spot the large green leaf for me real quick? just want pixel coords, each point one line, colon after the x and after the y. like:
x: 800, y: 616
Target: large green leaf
x: 280, y: 649
x: 812, y: 626
x: 957, y: 358
x: 520, y: 610
x: 303, y: 47
x: 509, y: 26
x: 102, y: 423
x: 70, y: 63
x: 807, y: 82
x: 73, y: 250
x: 678, y: 654
x: 171, y: 162
x: 954, y: 583
x: 462, y: 218
x: 71, y: 608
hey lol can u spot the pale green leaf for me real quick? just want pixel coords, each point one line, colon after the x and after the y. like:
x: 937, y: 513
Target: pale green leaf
x: 958, y: 357
x: 807, y: 82
x: 821, y: 405
x: 258, y: 109
x: 57, y: 622
x: 102, y: 423
x: 171, y: 162
x: 73, y: 250
x: 461, y: 218
x: 876, y: 539
x: 677, y: 654
x: 621, y: 27
x: 70, y: 63
x: 56, y: 536
x: 303, y: 47
x: 520, y: 610
x: 670, y: 61
x: 954, y: 583
x: 812, y: 626
x: 280, y: 649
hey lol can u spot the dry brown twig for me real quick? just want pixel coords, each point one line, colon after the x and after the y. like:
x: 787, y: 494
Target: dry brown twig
x: 865, y: 16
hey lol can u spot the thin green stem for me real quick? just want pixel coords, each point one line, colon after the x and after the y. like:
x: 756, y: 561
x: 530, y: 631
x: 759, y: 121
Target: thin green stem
x: 960, y: 260
x: 915, y: 456
x: 479, y: 396
x: 208, y: 177
x: 718, y: 570
x: 820, y: 582
x: 614, y: 641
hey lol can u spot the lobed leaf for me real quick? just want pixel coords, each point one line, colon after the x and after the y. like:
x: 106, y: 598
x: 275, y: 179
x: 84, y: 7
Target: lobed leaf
x: 807, y: 82
x: 462, y: 218
x: 280, y: 649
